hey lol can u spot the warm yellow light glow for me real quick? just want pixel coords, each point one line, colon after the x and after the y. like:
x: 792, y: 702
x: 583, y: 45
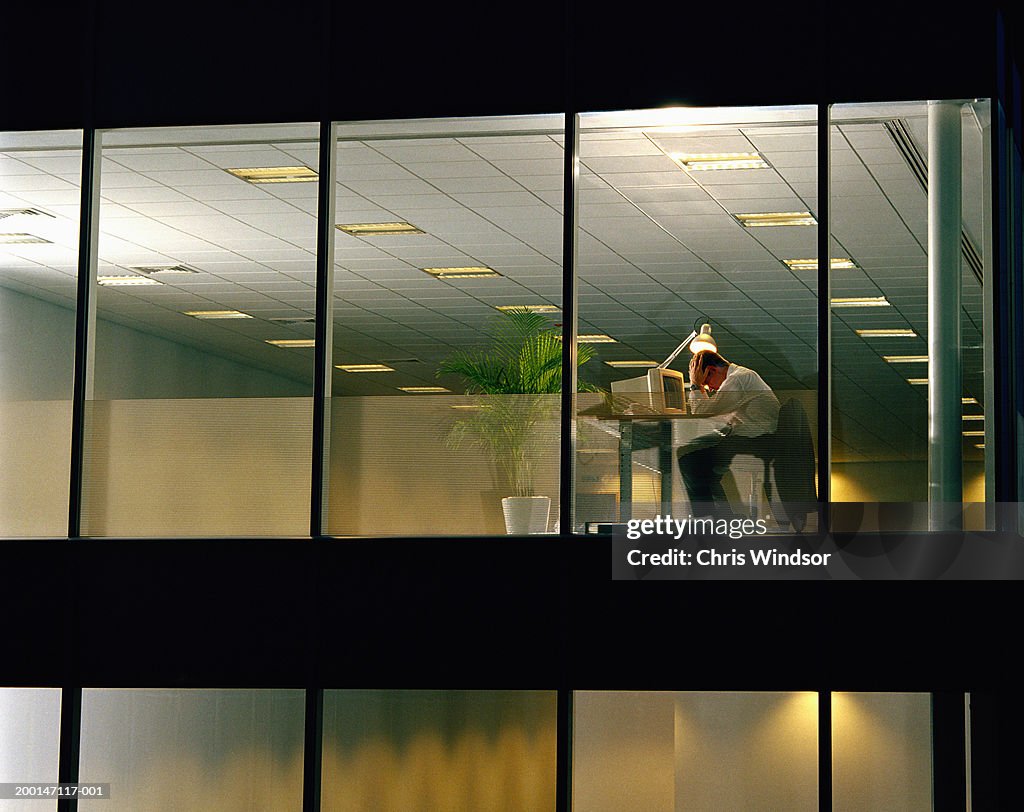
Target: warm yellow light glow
x: 969, y: 401
x: 720, y: 160
x: 918, y: 381
x: 776, y: 218
x: 979, y: 445
x: 973, y: 417
x: 595, y: 338
x: 292, y: 342
x: 378, y: 229
x: 466, y: 272
x: 536, y: 308
x: 133, y: 280
x: 275, y: 174
x: 365, y: 367
x: 894, y: 332
x: 906, y: 359
x: 217, y: 314
x: 835, y: 264
x: 631, y: 364
x: 703, y: 341
x: 424, y: 390
x: 860, y: 301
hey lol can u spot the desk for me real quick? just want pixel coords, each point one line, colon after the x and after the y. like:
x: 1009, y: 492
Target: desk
x: 636, y: 433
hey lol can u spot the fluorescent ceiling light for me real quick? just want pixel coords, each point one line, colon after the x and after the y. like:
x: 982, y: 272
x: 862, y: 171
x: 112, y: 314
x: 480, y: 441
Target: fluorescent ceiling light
x: 860, y: 301
x: 424, y: 390
x: 595, y: 338
x: 918, y: 381
x: 973, y: 416
x: 21, y: 238
x: 720, y: 160
x: 776, y: 218
x: 365, y: 367
x: 168, y: 269
x: 132, y: 279
x: 905, y: 359
x: 378, y: 229
x: 467, y: 272
x: 969, y: 401
x: 979, y: 445
x: 893, y: 332
x: 973, y: 433
x: 292, y: 342
x: 835, y: 263
x: 217, y: 314
x: 275, y: 174
x: 630, y: 364
x: 541, y: 308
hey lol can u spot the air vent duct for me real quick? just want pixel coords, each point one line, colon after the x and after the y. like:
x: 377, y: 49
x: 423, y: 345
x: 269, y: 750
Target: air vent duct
x: 24, y: 213
x: 899, y: 132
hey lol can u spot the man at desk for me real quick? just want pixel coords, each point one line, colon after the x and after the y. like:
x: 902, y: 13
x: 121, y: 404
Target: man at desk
x: 748, y: 410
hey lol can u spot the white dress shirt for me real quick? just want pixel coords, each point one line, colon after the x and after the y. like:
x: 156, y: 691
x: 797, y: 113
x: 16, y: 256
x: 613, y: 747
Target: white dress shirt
x: 744, y: 400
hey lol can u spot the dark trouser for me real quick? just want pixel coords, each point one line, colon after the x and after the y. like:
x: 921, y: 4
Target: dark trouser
x: 703, y: 462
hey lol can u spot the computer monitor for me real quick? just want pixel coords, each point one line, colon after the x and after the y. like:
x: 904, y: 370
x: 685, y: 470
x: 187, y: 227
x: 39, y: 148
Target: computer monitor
x: 660, y: 391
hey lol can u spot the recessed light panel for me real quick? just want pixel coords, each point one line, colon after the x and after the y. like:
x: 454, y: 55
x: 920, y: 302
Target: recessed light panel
x: 217, y: 314
x: 906, y: 359
x: 132, y: 280
x: 595, y: 338
x: 378, y: 229
x: 720, y: 160
x: 21, y: 238
x: 424, y: 390
x: 836, y: 264
x: 969, y: 401
x: 467, y: 272
x: 537, y: 308
x: 776, y: 218
x: 918, y: 381
x: 973, y: 433
x: 894, y: 332
x: 365, y: 367
x: 275, y: 174
x: 632, y: 364
x: 292, y: 342
x: 860, y: 301
x: 973, y: 416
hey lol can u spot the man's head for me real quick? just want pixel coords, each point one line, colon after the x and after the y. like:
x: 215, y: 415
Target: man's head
x: 708, y: 368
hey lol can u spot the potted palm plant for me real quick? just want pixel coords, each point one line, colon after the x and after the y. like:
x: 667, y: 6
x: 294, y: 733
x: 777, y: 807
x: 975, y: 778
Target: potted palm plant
x: 515, y: 381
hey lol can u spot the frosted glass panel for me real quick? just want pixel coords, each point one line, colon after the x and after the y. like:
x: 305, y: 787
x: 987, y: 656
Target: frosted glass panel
x: 29, y: 741
x: 40, y: 180
x: 683, y: 751
x: 193, y: 750
x: 460, y: 751
x: 881, y: 751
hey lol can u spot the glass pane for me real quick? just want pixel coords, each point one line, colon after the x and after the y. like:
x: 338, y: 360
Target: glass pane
x: 199, y: 424
x: 439, y: 225
x: 881, y: 751
x: 880, y: 311
x: 40, y: 194
x: 193, y: 750
x: 667, y: 751
x: 690, y: 217
x: 29, y: 742
x: 428, y: 750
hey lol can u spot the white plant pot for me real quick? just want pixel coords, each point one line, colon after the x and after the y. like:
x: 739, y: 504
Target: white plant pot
x: 526, y: 514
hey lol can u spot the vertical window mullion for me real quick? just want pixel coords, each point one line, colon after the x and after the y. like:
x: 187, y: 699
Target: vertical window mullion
x: 824, y: 319
x: 567, y: 467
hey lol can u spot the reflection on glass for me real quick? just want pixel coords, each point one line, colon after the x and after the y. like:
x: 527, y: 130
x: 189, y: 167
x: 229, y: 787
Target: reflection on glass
x: 688, y: 217
x: 193, y: 750
x: 207, y: 253
x: 29, y: 741
x: 880, y: 367
x: 428, y: 750
x: 881, y: 751
x: 40, y: 178
x: 671, y: 751
x: 444, y: 230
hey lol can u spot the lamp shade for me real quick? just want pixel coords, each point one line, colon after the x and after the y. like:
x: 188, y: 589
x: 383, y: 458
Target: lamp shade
x: 703, y: 341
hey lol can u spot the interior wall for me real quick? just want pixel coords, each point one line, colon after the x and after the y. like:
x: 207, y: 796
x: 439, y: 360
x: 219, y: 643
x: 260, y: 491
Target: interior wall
x: 897, y: 481
x: 881, y: 751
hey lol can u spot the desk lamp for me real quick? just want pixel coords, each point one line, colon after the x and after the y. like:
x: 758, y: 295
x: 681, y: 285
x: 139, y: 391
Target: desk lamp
x: 697, y: 342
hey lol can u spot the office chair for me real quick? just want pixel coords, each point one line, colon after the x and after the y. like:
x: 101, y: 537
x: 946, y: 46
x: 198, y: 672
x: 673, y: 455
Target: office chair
x: 790, y: 453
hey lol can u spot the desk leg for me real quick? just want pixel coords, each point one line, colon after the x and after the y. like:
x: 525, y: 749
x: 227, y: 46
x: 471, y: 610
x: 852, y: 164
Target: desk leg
x: 625, y: 471
x: 665, y: 462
